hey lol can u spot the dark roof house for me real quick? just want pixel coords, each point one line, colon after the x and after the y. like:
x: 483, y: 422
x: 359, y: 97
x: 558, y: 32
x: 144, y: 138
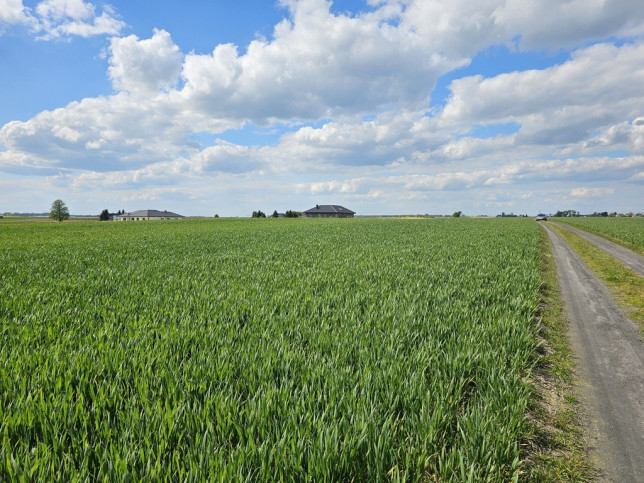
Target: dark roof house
x: 328, y: 211
x: 141, y: 215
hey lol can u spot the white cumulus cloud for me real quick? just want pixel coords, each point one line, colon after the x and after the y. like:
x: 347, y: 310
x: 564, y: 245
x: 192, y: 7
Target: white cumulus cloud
x: 13, y: 12
x: 144, y: 66
x: 54, y: 19
x: 351, y: 93
x: 598, y: 86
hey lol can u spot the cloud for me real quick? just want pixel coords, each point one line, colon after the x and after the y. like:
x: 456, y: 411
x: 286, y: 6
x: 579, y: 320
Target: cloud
x: 623, y: 136
x: 144, y: 66
x: 103, y: 133
x: 13, y: 12
x: 64, y: 18
x: 352, y: 186
x: 165, y: 193
x: 26, y: 164
x: 598, y: 86
x: 317, y: 65
x: 351, y: 93
x: 591, y: 192
x: 555, y: 25
x: 61, y: 10
x: 461, y: 27
x: 54, y: 19
x: 377, y: 142
x: 593, y: 72
x: 522, y: 173
x: 227, y: 158
x: 320, y: 65
x: 152, y: 121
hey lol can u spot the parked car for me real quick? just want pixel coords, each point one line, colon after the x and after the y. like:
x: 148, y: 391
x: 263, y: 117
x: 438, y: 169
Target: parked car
x: 541, y: 217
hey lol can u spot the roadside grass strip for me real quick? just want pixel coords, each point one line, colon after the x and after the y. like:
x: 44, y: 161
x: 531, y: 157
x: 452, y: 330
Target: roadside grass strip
x: 625, y: 231
x: 625, y: 284
x: 557, y: 449
x: 268, y: 350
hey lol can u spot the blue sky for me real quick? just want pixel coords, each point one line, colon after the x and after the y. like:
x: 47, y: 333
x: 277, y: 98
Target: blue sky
x: 385, y: 107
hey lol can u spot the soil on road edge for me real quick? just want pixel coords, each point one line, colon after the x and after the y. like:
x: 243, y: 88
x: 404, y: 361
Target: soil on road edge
x: 611, y: 365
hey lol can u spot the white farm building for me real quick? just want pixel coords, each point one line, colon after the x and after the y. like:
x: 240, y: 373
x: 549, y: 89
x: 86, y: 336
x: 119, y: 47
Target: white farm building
x: 145, y: 215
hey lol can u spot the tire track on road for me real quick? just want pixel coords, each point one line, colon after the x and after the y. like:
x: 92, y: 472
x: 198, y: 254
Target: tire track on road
x: 611, y: 362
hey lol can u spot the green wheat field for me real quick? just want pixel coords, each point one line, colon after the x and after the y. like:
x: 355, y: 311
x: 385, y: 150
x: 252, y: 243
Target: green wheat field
x: 267, y: 350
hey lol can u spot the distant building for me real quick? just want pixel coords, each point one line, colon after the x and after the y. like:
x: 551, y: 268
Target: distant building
x: 328, y: 211
x: 151, y: 215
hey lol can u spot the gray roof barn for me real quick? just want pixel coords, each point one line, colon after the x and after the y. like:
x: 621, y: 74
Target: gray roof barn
x: 328, y: 211
x: 149, y: 215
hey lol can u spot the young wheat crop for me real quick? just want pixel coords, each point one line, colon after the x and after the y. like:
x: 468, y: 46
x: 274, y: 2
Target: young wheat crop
x: 262, y: 350
x: 626, y: 229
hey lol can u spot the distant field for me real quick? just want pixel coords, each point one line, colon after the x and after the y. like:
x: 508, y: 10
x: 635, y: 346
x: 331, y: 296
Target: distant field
x: 24, y: 218
x: 366, y: 349
x: 9, y: 218
x: 628, y: 230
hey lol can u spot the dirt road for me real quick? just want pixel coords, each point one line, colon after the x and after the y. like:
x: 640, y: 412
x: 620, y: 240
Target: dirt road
x: 629, y: 258
x: 611, y: 365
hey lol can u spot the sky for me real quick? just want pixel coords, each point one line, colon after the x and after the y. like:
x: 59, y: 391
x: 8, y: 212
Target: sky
x: 383, y: 106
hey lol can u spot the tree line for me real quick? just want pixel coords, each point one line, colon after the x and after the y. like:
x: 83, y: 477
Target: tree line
x: 288, y: 214
x: 575, y: 213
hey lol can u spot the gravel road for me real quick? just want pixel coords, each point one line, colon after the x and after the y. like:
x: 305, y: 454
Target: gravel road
x: 610, y: 356
x: 629, y: 258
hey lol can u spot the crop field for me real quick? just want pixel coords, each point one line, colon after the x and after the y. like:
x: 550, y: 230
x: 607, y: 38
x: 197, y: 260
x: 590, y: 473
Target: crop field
x: 264, y: 350
x: 629, y: 230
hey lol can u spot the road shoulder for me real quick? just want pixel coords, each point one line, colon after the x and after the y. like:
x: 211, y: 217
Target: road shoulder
x: 611, y: 364
x: 624, y: 281
x: 557, y: 448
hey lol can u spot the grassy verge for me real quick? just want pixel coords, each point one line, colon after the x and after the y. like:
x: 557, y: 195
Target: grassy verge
x: 557, y: 449
x: 626, y: 285
x: 626, y: 232
x: 618, y: 241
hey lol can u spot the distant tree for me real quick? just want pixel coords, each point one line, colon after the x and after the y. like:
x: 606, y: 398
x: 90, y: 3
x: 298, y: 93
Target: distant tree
x: 216, y: 215
x: 259, y: 214
x: 292, y: 214
x: 104, y: 216
x: 457, y: 214
x: 275, y: 214
x: 567, y: 213
x: 59, y: 211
